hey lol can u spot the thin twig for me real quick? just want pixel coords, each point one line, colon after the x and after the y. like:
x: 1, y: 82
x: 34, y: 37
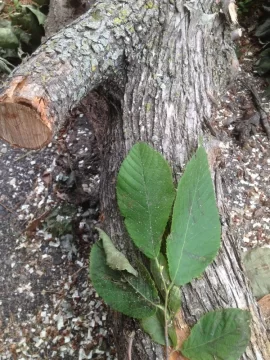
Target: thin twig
x: 24, y: 155
x: 130, y: 342
x: 4, y: 206
x: 167, y: 292
x: 167, y: 355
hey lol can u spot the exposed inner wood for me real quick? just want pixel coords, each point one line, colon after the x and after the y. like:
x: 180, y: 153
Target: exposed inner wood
x: 21, y: 126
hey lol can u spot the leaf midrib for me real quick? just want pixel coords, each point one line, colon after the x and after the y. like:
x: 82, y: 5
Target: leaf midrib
x: 210, y: 341
x: 185, y: 236
x: 148, y: 207
x: 142, y: 295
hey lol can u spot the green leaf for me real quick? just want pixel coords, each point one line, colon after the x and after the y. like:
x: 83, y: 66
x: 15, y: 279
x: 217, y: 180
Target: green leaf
x: 155, y: 327
x: 115, y: 259
x: 145, y: 195
x: 28, y: 22
x: 42, y: 2
x: 5, y: 23
x: 174, y: 301
x: 195, y: 233
x: 22, y: 35
x: 257, y: 266
x: 8, y: 39
x: 264, y: 29
x: 220, y: 335
x: 133, y: 296
x: 39, y: 15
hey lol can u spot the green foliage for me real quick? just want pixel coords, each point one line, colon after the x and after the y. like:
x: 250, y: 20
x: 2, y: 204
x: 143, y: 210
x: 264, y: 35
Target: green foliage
x: 154, y: 326
x: 39, y: 15
x: 160, y: 273
x: 174, y: 301
x: 8, y: 39
x: 244, y: 6
x: 223, y: 334
x: 19, y: 34
x: 195, y: 231
x: 133, y: 296
x: 145, y: 194
x: 115, y: 259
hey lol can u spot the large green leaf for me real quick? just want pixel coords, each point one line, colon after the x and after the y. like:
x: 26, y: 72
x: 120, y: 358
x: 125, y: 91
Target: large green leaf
x: 39, y: 15
x: 155, y: 327
x: 174, y: 301
x: 133, y: 296
x: 114, y: 258
x: 222, y: 335
x: 263, y: 30
x: 195, y: 233
x: 257, y: 266
x: 145, y: 195
x: 8, y: 39
x: 28, y: 22
x: 22, y: 35
x: 5, y: 23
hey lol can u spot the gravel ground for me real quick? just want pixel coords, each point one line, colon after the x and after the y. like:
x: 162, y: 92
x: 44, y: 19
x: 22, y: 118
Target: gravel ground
x: 246, y: 167
x: 48, y: 211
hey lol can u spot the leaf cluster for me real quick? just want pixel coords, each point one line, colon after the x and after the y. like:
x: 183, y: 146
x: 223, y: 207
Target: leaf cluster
x: 244, y: 6
x: 178, y: 231
x: 21, y: 29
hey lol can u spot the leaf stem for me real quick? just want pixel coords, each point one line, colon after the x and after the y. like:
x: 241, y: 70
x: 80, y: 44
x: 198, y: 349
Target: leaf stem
x: 167, y: 291
x: 166, y: 326
x: 130, y: 342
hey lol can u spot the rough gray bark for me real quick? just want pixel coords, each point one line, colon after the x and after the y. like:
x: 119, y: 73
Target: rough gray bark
x: 155, y: 64
x: 88, y: 52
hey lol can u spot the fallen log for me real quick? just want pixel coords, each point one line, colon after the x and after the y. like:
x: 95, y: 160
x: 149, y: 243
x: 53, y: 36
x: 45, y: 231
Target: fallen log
x: 153, y: 64
x: 62, y: 71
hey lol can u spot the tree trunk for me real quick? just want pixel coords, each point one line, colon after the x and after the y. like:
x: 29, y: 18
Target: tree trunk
x: 154, y: 65
x: 62, y: 12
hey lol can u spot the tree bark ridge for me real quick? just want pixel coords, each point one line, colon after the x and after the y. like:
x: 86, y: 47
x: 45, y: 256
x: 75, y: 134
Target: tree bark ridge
x: 164, y: 103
